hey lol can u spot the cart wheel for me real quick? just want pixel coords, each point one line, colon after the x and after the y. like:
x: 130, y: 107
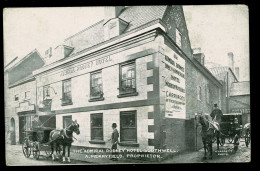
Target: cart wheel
x: 36, y: 151
x: 26, y: 149
x: 247, y: 139
x: 236, y: 142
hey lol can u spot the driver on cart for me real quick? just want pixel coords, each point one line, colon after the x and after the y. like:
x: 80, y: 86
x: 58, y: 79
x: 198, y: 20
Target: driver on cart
x: 216, y: 115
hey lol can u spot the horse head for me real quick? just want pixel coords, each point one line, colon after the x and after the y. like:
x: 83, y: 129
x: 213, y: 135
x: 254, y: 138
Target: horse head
x: 74, y: 127
x: 201, y: 118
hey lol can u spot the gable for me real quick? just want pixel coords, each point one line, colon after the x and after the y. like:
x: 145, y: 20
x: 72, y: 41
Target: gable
x: 174, y: 19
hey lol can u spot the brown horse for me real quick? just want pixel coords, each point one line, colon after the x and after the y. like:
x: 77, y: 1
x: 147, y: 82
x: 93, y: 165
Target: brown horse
x: 208, y: 133
x: 63, y: 138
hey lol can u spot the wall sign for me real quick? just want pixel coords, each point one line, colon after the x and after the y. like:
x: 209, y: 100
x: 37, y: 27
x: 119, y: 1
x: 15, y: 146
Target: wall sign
x: 175, y: 102
x: 25, y: 106
x: 241, y: 110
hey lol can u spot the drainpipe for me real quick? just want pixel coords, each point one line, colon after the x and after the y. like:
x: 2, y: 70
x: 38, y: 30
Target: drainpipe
x: 227, y: 94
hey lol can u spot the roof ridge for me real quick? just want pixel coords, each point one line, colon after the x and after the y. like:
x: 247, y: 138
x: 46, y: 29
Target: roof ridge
x: 84, y: 30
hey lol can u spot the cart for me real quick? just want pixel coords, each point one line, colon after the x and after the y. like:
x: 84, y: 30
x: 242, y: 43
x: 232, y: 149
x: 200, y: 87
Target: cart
x: 37, y: 140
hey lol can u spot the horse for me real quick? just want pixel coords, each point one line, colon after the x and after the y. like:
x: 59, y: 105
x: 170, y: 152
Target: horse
x: 63, y: 138
x: 208, y: 133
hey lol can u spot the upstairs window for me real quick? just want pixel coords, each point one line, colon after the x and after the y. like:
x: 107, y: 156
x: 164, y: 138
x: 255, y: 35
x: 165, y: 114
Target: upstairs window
x: 16, y: 97
x: 207, y: 93
x: 66, y: 92
x: 178, y: 38
x: 127, y: 79
x: 27, y: 95
x: 96, y: 87
x: 96, y: 126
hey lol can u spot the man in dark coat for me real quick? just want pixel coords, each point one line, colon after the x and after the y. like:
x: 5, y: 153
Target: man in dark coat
x: 114, y: 140
x: 216, y: 115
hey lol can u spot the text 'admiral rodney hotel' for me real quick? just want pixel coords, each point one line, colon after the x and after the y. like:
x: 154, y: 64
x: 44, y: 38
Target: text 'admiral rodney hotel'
x: 134, y: 68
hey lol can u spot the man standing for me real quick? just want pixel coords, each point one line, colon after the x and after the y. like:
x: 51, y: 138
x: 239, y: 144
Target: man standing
x: 114, y: 140
x: 216, y: 115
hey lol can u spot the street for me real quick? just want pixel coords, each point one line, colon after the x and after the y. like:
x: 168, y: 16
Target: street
x: 15, y: 157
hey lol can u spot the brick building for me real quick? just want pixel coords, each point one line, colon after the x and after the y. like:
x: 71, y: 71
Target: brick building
x: 135, y: 68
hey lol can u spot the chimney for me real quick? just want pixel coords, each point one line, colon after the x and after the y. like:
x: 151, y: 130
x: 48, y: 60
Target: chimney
x: 113, y: 25
x: 231, y: 61
x: 198, y: 55
x: 237, y: 72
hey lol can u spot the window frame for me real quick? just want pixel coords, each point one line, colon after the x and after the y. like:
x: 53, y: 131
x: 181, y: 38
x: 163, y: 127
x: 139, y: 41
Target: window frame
x: 199, y: 93
x: 92, y: 116
x: 132, y: 112
x: 68, y: 102
x: 26, y: 94
x: 66, y: 117
x: 100, y: 97
x: 123, y: 93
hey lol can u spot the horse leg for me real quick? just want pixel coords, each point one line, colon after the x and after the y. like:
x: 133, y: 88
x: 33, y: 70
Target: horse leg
x: 205, y: 149
x: 69, y: 153
x: 63, y: 154
x: 218, y: 135
x: 210, y: 149
x: 52, y: 149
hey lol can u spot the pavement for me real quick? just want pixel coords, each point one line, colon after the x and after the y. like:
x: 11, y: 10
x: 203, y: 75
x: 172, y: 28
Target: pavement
x: 15, y: 157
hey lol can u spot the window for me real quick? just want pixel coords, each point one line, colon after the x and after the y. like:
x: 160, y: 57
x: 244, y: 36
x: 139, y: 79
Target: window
x: 128, y: 128
x: 96, y: 88
x: 67, y: 120
x: 46, y: 92
x: 27, y: 95
x: 66, y: 95
x: 178, y: 38
x: 16, y: 97
x: 199, y: 92
x: 127, y: 79
x: 96, y: 126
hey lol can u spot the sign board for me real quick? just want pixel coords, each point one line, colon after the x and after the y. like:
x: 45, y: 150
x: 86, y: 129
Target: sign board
x: 25, y: 106
x: 175, y: 102
x: 242, y: 110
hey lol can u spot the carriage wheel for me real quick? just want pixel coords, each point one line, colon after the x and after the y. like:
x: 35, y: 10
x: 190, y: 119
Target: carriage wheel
x: 36, y: 151
x: 247, y: 139
x: 26, y: 149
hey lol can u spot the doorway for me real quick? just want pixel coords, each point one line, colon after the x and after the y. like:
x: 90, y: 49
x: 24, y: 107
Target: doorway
x: 12, y: 132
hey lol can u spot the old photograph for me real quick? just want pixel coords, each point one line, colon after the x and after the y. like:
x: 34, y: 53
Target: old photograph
x: 160, y: 84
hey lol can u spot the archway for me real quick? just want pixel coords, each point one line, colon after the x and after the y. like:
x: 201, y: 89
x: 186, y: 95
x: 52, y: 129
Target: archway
x: 12, y: 132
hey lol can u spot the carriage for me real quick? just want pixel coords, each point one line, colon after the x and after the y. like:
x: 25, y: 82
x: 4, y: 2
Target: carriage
x: 231, y: 133
x: 37, y: 140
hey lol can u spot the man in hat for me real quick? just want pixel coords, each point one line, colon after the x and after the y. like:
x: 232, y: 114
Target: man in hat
x: 114, y: 140
x: 216, y: 115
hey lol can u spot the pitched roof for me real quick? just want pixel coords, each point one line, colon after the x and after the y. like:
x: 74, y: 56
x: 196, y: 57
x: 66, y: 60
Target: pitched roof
x: 240, y: 88
x: 135, y: 16
x: 219, y: 72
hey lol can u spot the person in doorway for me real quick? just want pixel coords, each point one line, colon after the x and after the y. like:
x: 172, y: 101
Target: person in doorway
x: 114, y: 140
x: 216, y: 115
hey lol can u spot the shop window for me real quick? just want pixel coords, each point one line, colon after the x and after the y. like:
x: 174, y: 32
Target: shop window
x: 96, y: 126
x: 67, y: 120
x: 66, y: 92
x: 127, y: 79
x: 96, y: 87
x: 16, y: 97
x: 199, y: 92
x: 128, y: 127
x: 178, y: 38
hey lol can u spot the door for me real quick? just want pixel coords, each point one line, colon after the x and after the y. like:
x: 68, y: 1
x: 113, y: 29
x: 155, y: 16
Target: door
x: 12, y: 132
x: 21, y: 129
